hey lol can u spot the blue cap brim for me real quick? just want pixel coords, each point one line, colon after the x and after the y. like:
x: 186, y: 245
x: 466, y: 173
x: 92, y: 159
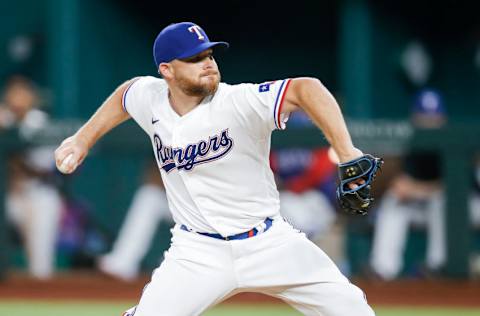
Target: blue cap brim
x: 200, y: 48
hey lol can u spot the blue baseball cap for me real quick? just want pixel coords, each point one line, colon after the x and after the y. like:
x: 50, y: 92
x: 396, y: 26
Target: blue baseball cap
x: 181, y: 40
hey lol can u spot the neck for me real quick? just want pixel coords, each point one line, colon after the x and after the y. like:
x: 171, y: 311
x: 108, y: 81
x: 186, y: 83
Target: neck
x: 181, y: 102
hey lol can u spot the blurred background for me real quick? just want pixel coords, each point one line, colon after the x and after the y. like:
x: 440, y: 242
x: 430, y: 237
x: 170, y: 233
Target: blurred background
x: 406, y: 75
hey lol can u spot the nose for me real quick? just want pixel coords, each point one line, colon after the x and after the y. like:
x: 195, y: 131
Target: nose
x: 209, y: 63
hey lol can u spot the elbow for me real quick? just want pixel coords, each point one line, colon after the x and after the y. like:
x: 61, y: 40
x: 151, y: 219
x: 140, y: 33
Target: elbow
x: 307, y: 82
x: 304, y: 88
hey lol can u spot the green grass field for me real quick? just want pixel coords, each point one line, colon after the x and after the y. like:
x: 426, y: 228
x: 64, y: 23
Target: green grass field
x: 41, y: 308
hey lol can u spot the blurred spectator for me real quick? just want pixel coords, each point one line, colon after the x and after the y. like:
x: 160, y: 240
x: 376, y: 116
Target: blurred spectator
x: 149, y: 206
x: 302, y: 169
x: 417, y: 63
x: 306, y: 181
x: 415, y: 196
x: 33, y: 204
x: 310, y: 210
x: 475, y: 197
x: 474, y: 205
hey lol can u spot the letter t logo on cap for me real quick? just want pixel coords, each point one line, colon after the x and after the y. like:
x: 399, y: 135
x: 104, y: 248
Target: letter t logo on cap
x: 196, y: 29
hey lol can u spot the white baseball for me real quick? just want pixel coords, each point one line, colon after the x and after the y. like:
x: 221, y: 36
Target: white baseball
x: 65, y: 166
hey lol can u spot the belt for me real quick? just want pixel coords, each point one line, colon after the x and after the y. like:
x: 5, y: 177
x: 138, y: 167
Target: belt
x: 248, y: 234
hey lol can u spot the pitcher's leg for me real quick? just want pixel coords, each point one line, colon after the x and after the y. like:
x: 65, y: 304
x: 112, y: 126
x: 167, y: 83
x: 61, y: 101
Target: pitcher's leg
x: 283, y: 263
x: 327, y: 299
x: 196, y: 274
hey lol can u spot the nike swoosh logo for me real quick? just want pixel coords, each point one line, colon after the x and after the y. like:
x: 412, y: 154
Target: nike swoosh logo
x: 154, y: 121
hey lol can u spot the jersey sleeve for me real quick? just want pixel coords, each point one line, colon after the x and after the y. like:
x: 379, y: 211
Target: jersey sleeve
x: 136, y: 101
x: 260, y: 105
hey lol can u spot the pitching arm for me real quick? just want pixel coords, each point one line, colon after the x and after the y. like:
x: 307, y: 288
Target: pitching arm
x: 310, y: 95
x: 74, y: 149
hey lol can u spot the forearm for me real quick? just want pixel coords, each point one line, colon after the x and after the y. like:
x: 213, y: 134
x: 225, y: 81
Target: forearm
x: 325, y: 113
x: 109, y: 115
x: 73, y: 150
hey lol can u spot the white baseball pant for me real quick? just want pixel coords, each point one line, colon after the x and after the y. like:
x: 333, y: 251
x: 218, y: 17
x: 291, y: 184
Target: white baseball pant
x: 199, y: 272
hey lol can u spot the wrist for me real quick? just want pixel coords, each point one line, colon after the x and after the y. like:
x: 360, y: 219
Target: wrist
x: 349, y: 155
x: 82, y: 141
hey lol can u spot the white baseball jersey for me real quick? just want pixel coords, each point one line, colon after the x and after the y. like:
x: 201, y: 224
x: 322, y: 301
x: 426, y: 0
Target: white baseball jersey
x: 214, y: 160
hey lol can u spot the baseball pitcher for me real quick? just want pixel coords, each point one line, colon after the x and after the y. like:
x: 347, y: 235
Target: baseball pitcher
x: 211, y: 141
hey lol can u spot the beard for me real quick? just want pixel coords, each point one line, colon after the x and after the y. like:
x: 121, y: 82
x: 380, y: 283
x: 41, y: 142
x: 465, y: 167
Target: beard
x: 199, y: 87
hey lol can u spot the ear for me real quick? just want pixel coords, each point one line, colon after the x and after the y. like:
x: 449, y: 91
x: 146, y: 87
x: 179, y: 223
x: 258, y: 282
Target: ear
x: 165, y: 70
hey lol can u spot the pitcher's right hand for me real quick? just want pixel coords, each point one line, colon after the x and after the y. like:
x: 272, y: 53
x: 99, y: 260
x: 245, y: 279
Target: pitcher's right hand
x: 70, y: 154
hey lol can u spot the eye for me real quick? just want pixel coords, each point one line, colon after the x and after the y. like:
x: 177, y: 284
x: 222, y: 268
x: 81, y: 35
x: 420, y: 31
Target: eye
x: 199, y: 58
x: 194, y: 59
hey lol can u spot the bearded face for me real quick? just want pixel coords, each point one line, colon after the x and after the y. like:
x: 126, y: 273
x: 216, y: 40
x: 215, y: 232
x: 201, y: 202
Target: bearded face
x: 196, y: 76
x: 202, y: 85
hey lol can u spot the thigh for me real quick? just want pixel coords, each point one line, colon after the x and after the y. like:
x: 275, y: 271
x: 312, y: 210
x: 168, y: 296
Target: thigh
x: 283, y: 256
x: 327, y: 299
x: 285, y: 264
x: 195, y: 274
